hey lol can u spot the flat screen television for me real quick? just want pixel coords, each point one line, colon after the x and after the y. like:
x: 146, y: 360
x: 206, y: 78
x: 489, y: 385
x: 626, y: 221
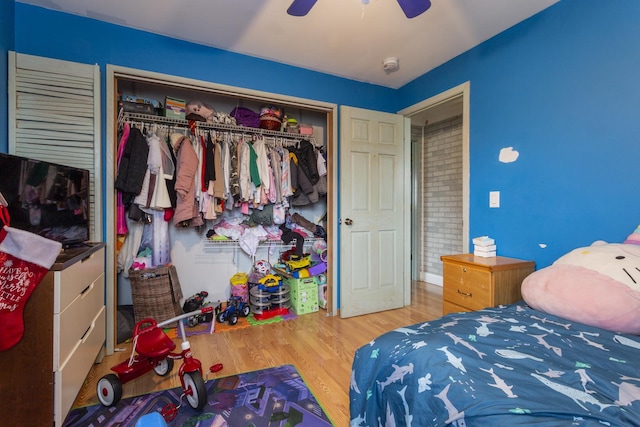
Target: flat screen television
x: 45, y: 198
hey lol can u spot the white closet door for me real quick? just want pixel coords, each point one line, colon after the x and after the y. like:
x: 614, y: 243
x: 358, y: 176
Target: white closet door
x: 54, y: 115
x: 374, y: 213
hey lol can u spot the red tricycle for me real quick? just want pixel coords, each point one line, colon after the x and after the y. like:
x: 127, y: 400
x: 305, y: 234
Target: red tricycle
x: 153, y: 350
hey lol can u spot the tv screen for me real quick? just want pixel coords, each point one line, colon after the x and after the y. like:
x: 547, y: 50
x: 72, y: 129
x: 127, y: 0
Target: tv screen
x: 45, y: 198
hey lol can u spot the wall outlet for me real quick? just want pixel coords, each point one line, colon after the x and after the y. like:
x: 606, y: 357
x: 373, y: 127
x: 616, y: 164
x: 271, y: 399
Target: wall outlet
x: 494, y: 199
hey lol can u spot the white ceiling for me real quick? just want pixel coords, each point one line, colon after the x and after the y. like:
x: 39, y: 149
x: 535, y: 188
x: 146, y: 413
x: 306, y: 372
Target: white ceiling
x: 345, y: 38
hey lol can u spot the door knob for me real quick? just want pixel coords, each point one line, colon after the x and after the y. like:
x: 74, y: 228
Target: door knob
x: 348, y: 221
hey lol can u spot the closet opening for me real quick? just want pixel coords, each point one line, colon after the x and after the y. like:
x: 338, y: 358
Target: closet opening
x: 202, y: 264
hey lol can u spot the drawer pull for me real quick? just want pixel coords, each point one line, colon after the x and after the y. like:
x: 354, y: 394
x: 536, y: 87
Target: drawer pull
x: 87, y: 289
x: 466, y: 294
x: 88, y: 258
x: 86, y: 333
x: 464, y: 269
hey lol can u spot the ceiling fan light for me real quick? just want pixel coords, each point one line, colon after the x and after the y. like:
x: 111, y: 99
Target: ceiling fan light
x: 413, y: 8
x: 300, y: 7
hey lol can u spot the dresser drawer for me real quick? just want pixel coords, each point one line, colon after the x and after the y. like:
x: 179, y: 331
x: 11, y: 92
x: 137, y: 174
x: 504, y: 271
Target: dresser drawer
x: 467, y: 286
x: 71, y: 281
x: 448, y: 307
x: 73, y: 322
x: 73, y: 372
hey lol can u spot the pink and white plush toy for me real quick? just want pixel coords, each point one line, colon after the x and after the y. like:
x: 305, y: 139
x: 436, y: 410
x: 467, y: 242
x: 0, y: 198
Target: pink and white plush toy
x: 598, y: 285
x: 200, y: 111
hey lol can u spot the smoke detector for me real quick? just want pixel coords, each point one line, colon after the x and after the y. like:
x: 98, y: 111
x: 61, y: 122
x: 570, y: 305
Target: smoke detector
x: 390, y: 64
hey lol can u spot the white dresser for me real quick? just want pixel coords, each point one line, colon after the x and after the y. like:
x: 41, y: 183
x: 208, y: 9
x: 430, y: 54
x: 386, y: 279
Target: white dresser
x: 64, y: 333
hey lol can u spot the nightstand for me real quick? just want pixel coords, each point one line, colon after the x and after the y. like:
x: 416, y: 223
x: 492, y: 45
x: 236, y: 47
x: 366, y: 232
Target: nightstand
x: 473, y: 283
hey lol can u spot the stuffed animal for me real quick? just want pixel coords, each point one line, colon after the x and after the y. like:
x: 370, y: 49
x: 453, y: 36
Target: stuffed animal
x: 200, y: 111
x: 598, y: 285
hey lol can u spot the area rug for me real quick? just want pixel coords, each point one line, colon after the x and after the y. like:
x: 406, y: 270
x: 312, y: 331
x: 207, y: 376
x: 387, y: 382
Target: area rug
x: 273, y: 397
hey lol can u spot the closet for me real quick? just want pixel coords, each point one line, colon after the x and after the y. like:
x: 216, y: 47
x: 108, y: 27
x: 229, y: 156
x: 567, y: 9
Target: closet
x: 205, y: 264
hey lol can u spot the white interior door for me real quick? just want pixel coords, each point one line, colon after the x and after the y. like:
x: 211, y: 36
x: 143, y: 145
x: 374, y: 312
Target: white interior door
x: 374, y: 217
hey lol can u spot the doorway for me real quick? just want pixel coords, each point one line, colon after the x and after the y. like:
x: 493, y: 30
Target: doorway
x: 439, y: 181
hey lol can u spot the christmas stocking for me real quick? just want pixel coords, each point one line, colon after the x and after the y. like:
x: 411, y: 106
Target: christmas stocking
x: 24, y: 260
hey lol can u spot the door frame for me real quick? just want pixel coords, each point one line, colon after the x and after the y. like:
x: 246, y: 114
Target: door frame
x: 114, y: 72
x: 463, y: 90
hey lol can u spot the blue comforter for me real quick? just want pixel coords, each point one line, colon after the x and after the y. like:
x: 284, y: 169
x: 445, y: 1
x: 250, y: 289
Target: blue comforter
x: 504, y: 366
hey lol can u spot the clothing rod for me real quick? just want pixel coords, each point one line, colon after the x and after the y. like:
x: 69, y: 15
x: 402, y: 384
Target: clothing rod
x: 137, y: 117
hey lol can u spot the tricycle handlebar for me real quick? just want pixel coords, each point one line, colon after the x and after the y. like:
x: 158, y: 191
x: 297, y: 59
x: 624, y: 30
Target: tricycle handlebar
x: 207, y: 309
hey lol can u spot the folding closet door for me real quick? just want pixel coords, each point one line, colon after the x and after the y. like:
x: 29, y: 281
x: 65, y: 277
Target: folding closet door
x: 54, y: 115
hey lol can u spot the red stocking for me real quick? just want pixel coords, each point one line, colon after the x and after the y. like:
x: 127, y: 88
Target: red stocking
x: 24, y: 260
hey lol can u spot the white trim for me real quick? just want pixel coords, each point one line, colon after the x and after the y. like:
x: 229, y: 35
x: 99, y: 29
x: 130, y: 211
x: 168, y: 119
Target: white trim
x: 12, y: 98
x: 97, y: 166
x: 406, y: 266
x: 431, y: 278
x: 463, y: 89
x: 114, y: 72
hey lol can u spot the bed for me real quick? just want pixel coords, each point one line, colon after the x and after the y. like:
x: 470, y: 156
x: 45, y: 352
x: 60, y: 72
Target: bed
x: 505, y: 366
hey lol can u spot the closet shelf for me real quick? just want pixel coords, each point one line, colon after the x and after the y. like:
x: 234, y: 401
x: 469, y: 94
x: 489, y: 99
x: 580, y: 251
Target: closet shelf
x: 264, y: 244
x: 146, y: 118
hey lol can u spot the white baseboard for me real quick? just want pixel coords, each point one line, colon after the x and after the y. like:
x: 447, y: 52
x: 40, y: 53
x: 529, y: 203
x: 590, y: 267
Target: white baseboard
x: 434, y: 279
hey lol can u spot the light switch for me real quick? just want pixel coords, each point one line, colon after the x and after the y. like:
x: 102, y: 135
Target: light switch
x: 494, y: 199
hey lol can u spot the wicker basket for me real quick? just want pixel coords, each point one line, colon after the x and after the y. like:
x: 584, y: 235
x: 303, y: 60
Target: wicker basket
x: 270, y: 122
x: 156, y: 293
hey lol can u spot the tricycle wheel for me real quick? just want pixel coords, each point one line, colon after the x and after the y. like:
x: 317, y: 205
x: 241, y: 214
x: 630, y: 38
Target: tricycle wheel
x: 221, y: 317
x: 246, y: 310
x: 163, y: 367
x: 193, y: 382
x: 233, y: 319
x: 109, y: 390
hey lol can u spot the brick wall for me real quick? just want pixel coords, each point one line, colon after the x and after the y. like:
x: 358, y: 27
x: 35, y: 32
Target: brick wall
x: 440, y: 195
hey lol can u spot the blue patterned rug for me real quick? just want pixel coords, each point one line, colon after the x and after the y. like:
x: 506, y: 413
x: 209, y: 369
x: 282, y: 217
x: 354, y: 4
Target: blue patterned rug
x: 273, y: 397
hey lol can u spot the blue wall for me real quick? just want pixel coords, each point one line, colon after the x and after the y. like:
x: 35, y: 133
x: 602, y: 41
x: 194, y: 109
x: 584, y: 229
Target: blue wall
x: 561, y: 89
x: 6, y: 44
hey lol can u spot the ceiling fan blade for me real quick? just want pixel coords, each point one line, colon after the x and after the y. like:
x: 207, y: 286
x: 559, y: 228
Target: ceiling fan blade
x: 413, y: 8
x: 300, y: 7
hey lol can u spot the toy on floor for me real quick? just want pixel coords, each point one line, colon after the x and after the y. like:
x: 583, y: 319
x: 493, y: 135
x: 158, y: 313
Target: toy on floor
x: 269, y: 297
x: 194, y: 303
x: 153, y: 350
x: 234, y: 309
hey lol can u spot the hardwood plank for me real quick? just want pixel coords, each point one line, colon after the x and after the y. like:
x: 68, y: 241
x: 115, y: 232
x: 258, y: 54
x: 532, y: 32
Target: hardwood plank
x: 321, y: 347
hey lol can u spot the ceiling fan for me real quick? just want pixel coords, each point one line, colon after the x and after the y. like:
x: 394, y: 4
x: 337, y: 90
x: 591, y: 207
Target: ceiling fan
x: 411, y: 8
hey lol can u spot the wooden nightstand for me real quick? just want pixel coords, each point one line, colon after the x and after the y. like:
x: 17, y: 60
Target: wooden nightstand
x: 473, y: 283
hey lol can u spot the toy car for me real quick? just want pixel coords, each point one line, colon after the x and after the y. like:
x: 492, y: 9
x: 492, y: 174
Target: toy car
x: 270, y: 283
x: 295, y: 262
x: 194, y: 303
x: 234, y: 309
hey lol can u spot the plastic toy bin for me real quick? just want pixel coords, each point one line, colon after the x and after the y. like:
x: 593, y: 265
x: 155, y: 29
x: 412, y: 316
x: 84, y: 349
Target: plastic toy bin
x: 304, y: 294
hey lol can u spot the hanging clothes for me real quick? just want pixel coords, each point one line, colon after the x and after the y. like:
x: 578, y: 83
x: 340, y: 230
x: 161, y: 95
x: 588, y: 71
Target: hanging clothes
x: 186, y: 172
x: 121, y: 217
x: 133, y: 165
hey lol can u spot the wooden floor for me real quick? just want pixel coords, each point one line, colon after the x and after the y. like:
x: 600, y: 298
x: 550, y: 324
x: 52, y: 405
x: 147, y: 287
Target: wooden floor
x: 321, y: 347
